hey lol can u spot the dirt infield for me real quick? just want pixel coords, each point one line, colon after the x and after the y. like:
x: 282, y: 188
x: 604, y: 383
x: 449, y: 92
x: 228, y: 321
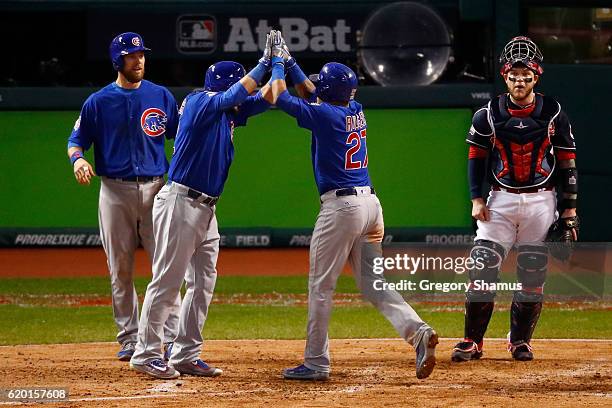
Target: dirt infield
x: 375, y: 372
x: 81, y: 262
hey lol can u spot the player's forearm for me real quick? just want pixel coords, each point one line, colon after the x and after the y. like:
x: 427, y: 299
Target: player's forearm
x: 74, y: 149
x: 254, y: 77
x: 259, y: 103
x: 569, y: 184
x: 301, y: 83
x: 75, y: 153
x: 476, y: 176
x: 477, y: 159
x: 266, y: 93
x: 278, y: 78
x: 304, y: 90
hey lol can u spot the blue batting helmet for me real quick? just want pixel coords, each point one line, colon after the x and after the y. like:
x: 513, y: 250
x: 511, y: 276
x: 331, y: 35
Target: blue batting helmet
x: 124, y: 44
x: 221, y: 75
x: 336, y: 82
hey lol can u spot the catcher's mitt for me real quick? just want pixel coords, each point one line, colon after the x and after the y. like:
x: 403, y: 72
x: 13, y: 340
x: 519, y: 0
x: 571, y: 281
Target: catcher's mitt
x: 562, y: 235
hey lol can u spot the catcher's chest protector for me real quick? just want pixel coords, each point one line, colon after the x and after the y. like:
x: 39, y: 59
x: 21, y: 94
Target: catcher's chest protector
x: 522, y: 152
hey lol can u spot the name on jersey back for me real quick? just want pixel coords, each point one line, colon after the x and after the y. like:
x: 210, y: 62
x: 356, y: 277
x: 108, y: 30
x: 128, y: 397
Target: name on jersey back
x: 355, y: 122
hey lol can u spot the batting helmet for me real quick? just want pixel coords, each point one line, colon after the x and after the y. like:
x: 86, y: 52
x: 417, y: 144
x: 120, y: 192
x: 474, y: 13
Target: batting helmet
x: 221, y: 75
x: 124, y: 44
x: 521, y: 50
x: 336, y: 83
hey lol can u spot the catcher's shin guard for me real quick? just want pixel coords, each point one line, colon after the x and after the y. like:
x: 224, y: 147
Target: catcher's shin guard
x: 527, y: 303
x: 479, y: 303
x: 477, y: 317
x: 524, y: 315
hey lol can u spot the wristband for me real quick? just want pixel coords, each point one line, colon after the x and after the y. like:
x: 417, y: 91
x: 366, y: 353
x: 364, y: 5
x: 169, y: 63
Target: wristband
x: 258, y: 72
x: 278, y: 71
x: 569, y: 203
x: 76, y: 156
x: 290, y: 63
x: 296, y: 74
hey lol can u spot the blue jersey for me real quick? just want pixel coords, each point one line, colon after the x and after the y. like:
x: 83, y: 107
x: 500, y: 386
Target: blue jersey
x: 204, y: 148
x: 339, y: 151
x: 127, y: 128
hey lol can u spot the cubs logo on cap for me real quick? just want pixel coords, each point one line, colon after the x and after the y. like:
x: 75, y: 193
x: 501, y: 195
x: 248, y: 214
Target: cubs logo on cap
x: 153, y: 122
x: 124, y: 44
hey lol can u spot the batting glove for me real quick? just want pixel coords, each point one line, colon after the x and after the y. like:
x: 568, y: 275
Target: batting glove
x: 289, y: 60
x: 277, y: 45
x: 267, y: 54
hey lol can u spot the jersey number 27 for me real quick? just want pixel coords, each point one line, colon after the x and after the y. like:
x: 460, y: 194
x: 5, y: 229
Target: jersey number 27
x: 354, y: 141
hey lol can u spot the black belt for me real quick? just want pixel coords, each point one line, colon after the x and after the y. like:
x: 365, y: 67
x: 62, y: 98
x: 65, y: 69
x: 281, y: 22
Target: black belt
x: 139, y: 179
x: 522, y: 190
x: 208, y: 200
x: 350, y: 191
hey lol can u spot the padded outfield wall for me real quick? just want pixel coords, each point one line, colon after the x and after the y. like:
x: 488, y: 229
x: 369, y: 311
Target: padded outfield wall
x: 417, y: 161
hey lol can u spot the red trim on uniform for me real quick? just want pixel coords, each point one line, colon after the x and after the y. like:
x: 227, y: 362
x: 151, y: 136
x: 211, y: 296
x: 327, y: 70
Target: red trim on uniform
x: 523, y: 112
x: 521, y: 160
x: 540, y: 159
x: 539, y: 290
x: 565, y: 155
x: 504, y: 157
x: 477, y: 152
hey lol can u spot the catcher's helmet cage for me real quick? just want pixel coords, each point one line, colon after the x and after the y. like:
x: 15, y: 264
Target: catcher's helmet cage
x: 521, y: 50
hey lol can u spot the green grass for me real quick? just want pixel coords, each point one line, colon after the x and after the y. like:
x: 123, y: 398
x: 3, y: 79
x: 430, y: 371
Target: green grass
x: 48, y: 325
x: 555, y: 284
x: 225, y: 285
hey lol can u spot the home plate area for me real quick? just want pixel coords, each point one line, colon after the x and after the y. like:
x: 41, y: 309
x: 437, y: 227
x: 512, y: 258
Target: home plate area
x: 378, y: 372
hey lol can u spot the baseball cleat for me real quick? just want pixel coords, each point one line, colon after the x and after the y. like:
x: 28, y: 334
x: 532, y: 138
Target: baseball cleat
x: 521, y: 351
x: 426, y: 354
x: 302, y: 372
x: 127, y: 351
x: 157, y: 368
x: 168, y: 350
x: 466, y: 350
x: 199, y: 368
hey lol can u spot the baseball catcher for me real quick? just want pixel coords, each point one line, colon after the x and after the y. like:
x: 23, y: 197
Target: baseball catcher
x: 523, y: 141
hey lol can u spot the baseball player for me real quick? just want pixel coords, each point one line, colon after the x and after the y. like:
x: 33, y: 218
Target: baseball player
x: 350, y: 222
x: 185, y: 225
x: 527, y: 141
x: 127, y: 122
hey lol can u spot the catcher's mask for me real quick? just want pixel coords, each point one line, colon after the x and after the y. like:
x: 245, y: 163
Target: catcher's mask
x: 521, y: 51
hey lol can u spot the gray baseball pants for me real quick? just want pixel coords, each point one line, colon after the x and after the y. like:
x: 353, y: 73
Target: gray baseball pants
x: 350, y: 228
x: 187, y: 248
x: 125, y: 219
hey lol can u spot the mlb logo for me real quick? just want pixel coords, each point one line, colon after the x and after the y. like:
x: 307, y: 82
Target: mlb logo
x: 196, y: 34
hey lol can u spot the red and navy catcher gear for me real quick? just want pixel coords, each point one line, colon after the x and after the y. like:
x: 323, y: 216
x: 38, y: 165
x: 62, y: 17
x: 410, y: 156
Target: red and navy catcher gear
x: 221, y: 75
x: 124, y: 44
x: 521, y: 51
x: 335, y: 83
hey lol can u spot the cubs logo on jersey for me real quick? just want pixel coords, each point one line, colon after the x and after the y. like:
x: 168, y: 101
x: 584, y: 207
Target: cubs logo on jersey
x: 153, y: 122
